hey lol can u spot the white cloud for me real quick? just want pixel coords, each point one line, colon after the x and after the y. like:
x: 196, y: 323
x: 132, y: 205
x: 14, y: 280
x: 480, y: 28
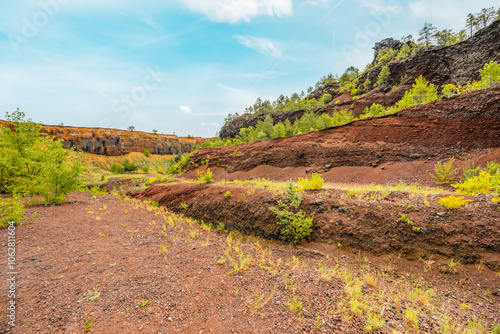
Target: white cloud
x: 444, y: 13
x: 185, y: 109
x: 376, y: 6
x: 233, y: 11
x: 261, y: 45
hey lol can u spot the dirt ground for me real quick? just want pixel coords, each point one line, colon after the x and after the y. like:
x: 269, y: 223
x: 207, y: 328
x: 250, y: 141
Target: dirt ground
x: 134, y: 268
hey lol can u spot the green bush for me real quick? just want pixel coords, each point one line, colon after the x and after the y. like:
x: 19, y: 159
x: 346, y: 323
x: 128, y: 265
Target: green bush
x: 205, y: 177
x: 453, y: 202
x: 327, y: 98
x: 315, y: 183
x: 11, y: 210
x: 146, y: 169
x: 374, y: 110
x: 444, y: 173
x: 483, y: 183
x: 116, y: 168
x: 295, y: 225
x: 160, y: 170
x: 129, y: 166
x: 35, y: 165
x: 490, y: 74
x: 147, y: 153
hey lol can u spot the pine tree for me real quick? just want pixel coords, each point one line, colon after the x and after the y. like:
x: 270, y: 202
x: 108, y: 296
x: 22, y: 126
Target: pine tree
x: 486, y: 16
x: 384, y: 75
x: 427, y: 33
x: 267, y: 126
x: 471, y: 23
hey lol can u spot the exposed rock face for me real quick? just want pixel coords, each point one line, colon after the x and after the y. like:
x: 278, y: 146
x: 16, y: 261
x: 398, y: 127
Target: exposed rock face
x: 455, y: 64
x: 387, y: 43
x: 117, y: 142
x: 437, y: 130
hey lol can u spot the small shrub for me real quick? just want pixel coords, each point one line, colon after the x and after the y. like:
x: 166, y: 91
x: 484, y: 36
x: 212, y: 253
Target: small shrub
x: 469, y: 170
x: 11, y: 210
x: 294, y: 305
x: 315, y: 183
x: 146, y: 169
x: 129, y: 166
x: 160, y: 170
x: 221, y: 226
x: 116, y: 168
x: 295, y: 225
x: 227, y: 194
x: 103, y: 178
x: 444, y: 173
x: 483, y: 183
x: 205, y: 177
x: 327, y: 98
x: 452, y: 202
x: 147, y: 153
x: 373, y: 322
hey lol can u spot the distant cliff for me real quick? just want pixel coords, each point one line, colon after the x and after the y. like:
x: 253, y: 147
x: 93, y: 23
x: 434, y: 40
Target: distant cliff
x: 117, y: 142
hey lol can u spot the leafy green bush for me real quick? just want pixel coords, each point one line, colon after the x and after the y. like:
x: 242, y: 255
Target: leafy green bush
x: 327, y: 98
x: 11, y: 210
x: 35, y: 165
x: 490, y: 74
x: 147, y: 153
x: 449, y: 90
x: 315, y: 183
x: 444, y: 173
x: 295, y: 225
x: 205, y: 177
x: 129, y: 166
x: 421, y: 93
x: 453, y: 202
x: 374, y: 110
x: 480, y: 180
x: 160, y: 170
x: 146, y: 169
x: 483, y: 183
x: 178, y: 163
x: 116, y: 168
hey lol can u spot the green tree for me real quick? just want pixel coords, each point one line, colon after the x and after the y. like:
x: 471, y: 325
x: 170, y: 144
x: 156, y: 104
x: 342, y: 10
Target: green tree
x: 471, y: 23
x: 486, y: 16
x: 34, y: 165
x: 267, y: 126
x: 367, y: 85
x: 288, y: 128
x: 443, y: 37
x: 383, y: 76
x: 490, y: 74
x: 131, y: 128
x: 421, y: 92
x: 426, y: 34
x: 404, y: 52
x: 279, y: 130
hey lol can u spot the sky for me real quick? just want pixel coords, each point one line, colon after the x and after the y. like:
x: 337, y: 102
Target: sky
x: 181, y: 66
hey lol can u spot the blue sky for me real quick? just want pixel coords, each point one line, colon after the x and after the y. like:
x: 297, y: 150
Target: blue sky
x: 182, y: 65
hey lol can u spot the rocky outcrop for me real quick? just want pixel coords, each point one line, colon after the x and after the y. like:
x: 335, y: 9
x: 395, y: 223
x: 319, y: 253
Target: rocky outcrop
x: 117, y: 142
x: 386, y: 43
x: 455, y: 64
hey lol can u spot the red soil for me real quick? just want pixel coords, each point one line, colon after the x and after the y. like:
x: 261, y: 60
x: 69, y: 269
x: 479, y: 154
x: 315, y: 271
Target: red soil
x: 60, y: 257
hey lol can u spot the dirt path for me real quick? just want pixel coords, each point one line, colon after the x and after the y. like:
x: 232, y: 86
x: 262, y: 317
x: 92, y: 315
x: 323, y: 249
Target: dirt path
x: 133, y: 268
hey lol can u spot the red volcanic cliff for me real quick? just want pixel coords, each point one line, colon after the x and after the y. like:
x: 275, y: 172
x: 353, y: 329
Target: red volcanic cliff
x: 117, y: 142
